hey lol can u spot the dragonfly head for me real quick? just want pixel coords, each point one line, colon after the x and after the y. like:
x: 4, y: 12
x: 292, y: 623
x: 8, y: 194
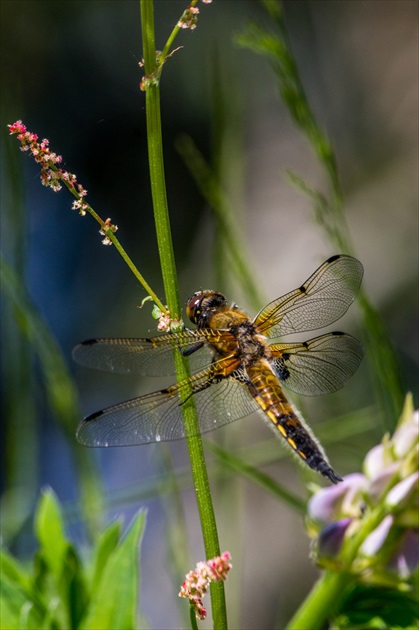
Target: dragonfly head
x: 202, y: 305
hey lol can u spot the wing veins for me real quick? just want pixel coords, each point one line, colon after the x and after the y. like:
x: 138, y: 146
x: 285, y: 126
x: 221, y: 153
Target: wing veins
x: 320, y: 301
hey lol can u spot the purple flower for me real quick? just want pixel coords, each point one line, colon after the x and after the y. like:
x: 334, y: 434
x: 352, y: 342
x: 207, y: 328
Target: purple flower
x: 344, y: 499
x: 331, y: 538
x: 405, y: 559
x: 375, y: 512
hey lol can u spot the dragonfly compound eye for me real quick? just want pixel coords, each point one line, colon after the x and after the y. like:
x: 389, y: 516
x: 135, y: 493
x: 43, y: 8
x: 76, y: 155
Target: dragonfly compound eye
x: 193, y: 306
x: 202, y: 303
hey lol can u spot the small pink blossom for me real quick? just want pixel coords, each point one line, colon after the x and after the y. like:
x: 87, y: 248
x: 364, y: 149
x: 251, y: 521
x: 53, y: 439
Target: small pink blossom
x: 164, y: 322
x: 148, y: 81
x: 189, y: 18
x: 50, y: 175
x: 105, y: 229
x: 81, y: 206
x: 197, y: 582
x: 176, y: 325
x: 17, y: 127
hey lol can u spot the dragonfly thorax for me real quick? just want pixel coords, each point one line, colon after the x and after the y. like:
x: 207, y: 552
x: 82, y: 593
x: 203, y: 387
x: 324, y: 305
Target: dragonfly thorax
x: 250, y: 345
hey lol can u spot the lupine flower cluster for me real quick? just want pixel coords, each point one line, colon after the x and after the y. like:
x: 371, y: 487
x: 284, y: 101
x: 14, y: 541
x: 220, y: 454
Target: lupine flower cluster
x: 197, y: 582
x: 52, y: 176
x: 369, y: 523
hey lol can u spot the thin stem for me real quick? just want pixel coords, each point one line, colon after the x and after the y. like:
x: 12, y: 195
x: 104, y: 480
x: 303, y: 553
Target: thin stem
x: 210, y: 188
x: 323, y: 600
x: 134, y: 270
x: 170, y: 41
x: 192, y: 618
x: 109, y: 233
x: 167, y: 259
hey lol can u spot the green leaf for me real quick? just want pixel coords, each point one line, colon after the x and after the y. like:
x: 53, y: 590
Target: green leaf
x: 12, y: 570
x: 49, y: 528
x: 114, y: 598
x: 58, y: 577
x: 18, y: 610
x: 105, y: 545
x: 72, y: 587
x: 377, y: 607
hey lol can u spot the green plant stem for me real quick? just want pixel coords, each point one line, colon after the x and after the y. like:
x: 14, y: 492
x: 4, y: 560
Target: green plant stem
x: 170, y: 41
x: 135, y: 271
x: 165, y: 246
x: 210, y: 188
x: 322, y: 602
x: 108, y: 232
x: 192, y: 618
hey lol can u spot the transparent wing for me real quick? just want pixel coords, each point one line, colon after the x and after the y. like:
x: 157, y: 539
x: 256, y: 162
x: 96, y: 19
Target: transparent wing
x: 152, y: 357
x: 158, y: 417
x: 320, y: 301
x: 318, y: 366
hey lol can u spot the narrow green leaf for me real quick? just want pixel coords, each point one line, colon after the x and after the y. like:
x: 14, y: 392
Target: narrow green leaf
x: 49, y: 528
x: 114, y: 599
x: 12, y: 570
x: 105, y: 545
x: 54, y: 563
x: 18, y: 611
x: 72, y: 586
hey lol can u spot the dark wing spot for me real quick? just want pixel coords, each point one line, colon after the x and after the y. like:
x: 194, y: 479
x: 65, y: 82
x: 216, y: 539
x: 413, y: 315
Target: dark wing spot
x: 333, y: 258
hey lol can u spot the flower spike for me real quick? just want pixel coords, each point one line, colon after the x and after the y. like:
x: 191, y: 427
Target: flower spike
x: 197, y: 582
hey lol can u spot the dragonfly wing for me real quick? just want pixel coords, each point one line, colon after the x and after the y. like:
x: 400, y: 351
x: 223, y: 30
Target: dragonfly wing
x: 158, y: 417
x: 320, y: 301
x: 318, y: 366
x: 149, y: 356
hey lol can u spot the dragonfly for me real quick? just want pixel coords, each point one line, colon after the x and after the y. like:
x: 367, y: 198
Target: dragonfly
x: 237, y: 366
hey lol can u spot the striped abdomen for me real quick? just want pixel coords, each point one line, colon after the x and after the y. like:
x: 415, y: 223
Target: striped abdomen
x: 269, y: 395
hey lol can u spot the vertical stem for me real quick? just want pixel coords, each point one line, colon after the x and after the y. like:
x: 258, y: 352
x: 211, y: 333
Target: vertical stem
x: 323, y: 600
x: 167, y: 260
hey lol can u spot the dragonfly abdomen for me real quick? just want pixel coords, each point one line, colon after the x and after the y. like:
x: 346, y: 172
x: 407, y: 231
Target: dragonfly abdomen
x: 270, y: 397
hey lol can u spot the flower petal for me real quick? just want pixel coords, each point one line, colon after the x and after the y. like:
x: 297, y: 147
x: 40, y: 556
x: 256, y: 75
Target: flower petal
x: 406, y: 436
x: 406, y: 558
x: 376, y: 460
x: 325, y: 505
x: 331, y: 538
x: 376, y: 539
x: 401, y: 492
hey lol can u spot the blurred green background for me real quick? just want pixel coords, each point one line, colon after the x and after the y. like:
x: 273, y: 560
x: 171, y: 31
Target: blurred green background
x: 70, y: 72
